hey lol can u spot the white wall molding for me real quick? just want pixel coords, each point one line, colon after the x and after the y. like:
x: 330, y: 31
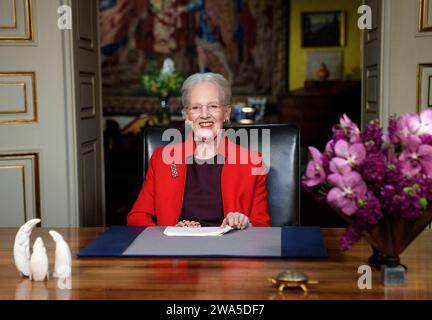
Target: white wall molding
x: 385, y: 62
x: 70, y: 123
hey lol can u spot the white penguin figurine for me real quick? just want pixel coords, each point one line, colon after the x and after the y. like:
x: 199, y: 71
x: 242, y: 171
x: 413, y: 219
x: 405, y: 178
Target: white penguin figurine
x: 63, y: 261
x: 39, y: 262
x: 22, y: 247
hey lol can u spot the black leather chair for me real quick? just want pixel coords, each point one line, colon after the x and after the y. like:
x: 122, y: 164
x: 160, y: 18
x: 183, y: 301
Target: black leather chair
x: 283, y: 184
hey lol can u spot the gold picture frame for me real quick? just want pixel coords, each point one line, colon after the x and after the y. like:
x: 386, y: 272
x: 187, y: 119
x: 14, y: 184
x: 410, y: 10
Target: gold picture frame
x: 421, y: 68
x: 425, y: 25
x: 323, y: 29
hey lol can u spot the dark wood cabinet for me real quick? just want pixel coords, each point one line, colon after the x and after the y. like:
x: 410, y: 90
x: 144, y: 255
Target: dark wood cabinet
x: 318, y: 106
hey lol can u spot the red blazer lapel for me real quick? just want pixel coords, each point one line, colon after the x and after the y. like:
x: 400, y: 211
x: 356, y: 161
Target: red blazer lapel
x: 179, y: 186
x: 177, y: 182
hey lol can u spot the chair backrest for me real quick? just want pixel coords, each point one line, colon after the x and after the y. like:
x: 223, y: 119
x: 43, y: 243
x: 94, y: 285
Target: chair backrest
x: 283, y: 182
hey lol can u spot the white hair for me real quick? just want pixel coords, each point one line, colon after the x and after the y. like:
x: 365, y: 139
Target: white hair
x: 215, y: 78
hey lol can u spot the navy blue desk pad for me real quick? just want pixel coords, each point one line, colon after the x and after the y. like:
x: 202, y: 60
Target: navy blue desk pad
x: 275, y: 242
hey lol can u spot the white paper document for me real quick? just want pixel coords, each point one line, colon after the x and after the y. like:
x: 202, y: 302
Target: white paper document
x: 196, y: 232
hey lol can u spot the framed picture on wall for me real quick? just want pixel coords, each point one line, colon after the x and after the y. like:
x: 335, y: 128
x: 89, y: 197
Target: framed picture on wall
x: 425, y: 16
x: 424, y: 86
x: 323, y: 29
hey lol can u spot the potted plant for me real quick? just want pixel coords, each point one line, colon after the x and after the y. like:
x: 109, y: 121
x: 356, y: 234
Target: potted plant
x: 162, y: 83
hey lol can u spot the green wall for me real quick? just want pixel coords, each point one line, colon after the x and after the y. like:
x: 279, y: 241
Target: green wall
x: 351, y: 55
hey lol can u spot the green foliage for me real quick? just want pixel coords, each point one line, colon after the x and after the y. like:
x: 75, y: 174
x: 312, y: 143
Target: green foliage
x: 162, y: 85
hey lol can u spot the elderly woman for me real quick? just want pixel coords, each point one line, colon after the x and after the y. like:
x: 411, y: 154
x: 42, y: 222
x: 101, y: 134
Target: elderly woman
x: 204, y: 187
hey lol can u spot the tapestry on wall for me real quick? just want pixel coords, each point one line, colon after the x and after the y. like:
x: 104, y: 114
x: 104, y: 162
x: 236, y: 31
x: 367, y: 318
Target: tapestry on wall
x: 241, y: 39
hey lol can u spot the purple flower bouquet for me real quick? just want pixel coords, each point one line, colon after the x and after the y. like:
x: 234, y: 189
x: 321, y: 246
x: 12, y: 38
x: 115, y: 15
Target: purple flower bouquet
x: 381, y: 183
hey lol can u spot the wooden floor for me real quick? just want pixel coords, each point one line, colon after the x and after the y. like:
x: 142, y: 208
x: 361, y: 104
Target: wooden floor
x: 212, y: 278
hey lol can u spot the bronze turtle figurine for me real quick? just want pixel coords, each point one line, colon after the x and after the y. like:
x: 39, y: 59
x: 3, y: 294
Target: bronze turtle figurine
x: 292, y: 279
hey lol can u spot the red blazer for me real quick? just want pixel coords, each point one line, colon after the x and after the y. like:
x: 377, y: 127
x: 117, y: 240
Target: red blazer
x: 161, y: 198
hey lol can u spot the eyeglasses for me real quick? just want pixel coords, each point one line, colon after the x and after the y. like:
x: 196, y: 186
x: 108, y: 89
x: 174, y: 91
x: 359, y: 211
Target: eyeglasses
x: 211, y: 108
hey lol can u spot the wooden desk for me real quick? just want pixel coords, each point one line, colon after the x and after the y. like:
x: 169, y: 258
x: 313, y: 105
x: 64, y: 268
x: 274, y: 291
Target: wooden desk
x: 156, y: 278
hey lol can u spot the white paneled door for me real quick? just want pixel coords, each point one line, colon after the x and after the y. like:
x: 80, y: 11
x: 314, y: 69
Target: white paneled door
x: 50, y: 115
x: 372, y: 65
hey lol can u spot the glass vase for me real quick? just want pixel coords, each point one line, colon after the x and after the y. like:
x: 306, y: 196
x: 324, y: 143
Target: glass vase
x: 392, y: 235
x: 164, y: 112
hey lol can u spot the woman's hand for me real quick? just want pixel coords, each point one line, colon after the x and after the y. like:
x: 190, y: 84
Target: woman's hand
x: 189, y: 224
x: 236, y: 220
